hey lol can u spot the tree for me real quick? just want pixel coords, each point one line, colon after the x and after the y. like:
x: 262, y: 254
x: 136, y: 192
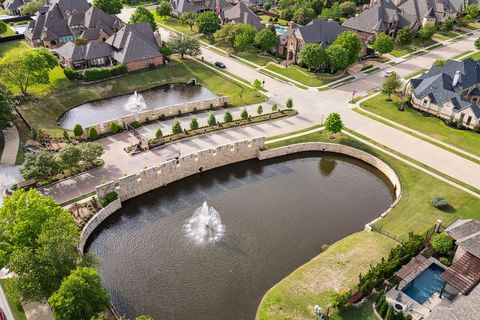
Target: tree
x: 313, y: 56
x: 3, y: 27
x: 166, y: 51
x: 164, y: 9
x: 39, y: 243
x: 80, y: 296
x: 442, y: 243
x: 289, y: 104
x: 7, y: 105
x: 446, y: 25
x: 338, y: 58
x: 334, y: 12
x: 30, y: 8
x: 78, y: 130
x: 211, y: 120
x: 333, y: 123
x: 26, y: 68
x: 244, y: 114
x: 259, y: 109
x: 142, y: 14
x: 383, y: 43
x: 426, y: 32
x: 158, y: 133
x: 472, y: 10
x: 477, y: 44
x: 193, y: 124
x: 109, y: 6
x: 40, y: 166
x: 405, y: 36
x: 69, y: 156
x: 183, y: 45
x: 188, y: 18
x: 348, y: 8
x: 267, y: 5
x: 92, y: 133
x: 227, y: 117
x: 351, y: 42
x: 177, y: 128
x: 265, y: 39
x: 208, y: 22
x: 391, y: 84
x: 257, y: 84
x: 237, y: 35
x: 303, y: 15
x: 90, y: 152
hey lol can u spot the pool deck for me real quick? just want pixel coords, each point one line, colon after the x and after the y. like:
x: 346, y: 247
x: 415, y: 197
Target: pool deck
x: 410, y: 306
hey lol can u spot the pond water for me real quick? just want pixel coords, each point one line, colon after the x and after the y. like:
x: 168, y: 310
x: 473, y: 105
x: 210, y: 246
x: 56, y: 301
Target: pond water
x: 112, y: 108
x: 277, y: 214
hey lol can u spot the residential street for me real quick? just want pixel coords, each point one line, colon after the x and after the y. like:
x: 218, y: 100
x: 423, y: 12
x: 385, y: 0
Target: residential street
x: 312, y: 107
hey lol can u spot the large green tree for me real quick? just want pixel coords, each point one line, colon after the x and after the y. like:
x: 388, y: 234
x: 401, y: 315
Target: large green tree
x: 472, y: 11
x: 183, y: 45
x: 208, y: 22
x: 313, y: 55
x: 427, y: 32
x: 109, y: 6
x: 405, y: 36
x: 304, y: 15
x: 334, y: 12
x: 188, y: 18
x: 142, y: 14
x: 391, y: 84
x: 80, y: 296
x: 351, y: 42
x: 38, y: 242
x: 164, y: 9
x: 383, y: 43
x: 237, y: 35
x: 348, y: 8
x: 90, y: 152
x: 338, y: 58
x: 30, y: 8
x: 6, y: 108
x: 40, y: 165
x: 27, y: 68
x: 265, y: 39
x: 69, y: 156
x: 333, y: 123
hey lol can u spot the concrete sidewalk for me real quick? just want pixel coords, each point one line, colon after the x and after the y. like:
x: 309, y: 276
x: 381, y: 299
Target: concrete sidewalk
x: 12, y: 142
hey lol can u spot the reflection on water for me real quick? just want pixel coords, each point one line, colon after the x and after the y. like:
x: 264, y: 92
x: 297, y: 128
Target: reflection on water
x: 277, y: 214
x: 112, y: 108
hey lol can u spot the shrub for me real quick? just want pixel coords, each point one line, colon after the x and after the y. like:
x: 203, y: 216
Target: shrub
x: 289, y: 103
x: 390, y: 314
x: 110, y: 197
x: 260, y: 109
x: 211, y: 120
x: 446, y: 261
x: 439, y: 63
x: 78, y: 130
x: 439, y: 202
x: 95, y: 74
x: 383, y: 311
x: 274, y: 107
x: 135, y: 124
x: 210, y: 107
x: 162, y: 117
x: 65, y: 135
x: 193, y: 124
x: 177, y: 128
x: 227, y: 117
x: 73, y: 75
x: 340, y: 299
x: 442, y: 243
x: 244, y: 114
x: 159, y: 133
x: 92, y: 133
x: 115, y: 128
x: 195, y: 110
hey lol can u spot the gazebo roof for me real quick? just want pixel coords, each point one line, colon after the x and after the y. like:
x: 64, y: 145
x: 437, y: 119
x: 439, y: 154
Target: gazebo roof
x: 464, y: 274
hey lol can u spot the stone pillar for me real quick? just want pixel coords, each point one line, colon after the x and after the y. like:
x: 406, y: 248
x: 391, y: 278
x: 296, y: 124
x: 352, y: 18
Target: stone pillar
x: 438, y: 224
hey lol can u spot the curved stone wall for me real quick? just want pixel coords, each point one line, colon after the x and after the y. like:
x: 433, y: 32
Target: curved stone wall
x: 176, y: 169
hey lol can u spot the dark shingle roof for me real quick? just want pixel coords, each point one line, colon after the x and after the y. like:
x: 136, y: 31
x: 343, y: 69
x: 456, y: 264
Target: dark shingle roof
x: 73, y: 52
x: 320, y: 31
x: 13, y: 4
x: 240, y: 13
x: 182, y: 6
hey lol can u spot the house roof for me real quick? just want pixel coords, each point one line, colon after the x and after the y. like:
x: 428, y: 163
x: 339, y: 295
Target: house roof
x: 13, y: 4
x: 463, y: 308
x: 463, y: 228
x: 241, y: 13
x: 464, y: 274
x: 134, y: 42
x: 374, y: 18
x: 319, y: 31
x: 73, y: 52
x: 182, y: 6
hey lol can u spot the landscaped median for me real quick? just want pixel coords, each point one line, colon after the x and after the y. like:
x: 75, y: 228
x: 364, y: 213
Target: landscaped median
x: 337, y: 268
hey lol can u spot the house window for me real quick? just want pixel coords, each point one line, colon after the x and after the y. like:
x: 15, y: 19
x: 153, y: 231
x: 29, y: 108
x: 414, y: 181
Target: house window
x: 424, y: 102
x: 469, y: 119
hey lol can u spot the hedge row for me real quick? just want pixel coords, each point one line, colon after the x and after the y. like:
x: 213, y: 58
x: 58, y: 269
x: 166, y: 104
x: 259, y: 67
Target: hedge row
x: 94, y: 74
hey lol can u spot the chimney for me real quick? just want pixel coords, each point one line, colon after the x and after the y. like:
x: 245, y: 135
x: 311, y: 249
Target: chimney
x: 218, y: 9
x: 456, y: 77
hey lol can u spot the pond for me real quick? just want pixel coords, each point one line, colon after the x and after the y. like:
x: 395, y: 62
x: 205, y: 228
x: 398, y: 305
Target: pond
x: 112, y: 108
x: 277, y: 215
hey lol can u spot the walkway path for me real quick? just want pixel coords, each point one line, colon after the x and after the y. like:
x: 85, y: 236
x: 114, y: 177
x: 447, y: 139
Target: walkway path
x: 12, y: 141
x: 312, y: 106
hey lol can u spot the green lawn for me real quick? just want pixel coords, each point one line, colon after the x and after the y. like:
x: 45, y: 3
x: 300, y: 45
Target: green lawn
x: 8, y: 33
x: 431, y: 126
x: 254, y: 56
x: 337, y: 268
x: 400, y: 51
x: 16, y: 45
x: 466, y: 53
x: 175, y: 24
x: 13, y: 298
x: 306, y: 78
x: 44, y: 112
x: 474, y: 56
x: 414, y: 74
x: 445, y: 35
x: 265, y: 19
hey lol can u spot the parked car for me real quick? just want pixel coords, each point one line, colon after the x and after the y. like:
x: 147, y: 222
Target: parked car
x: 387, y: 73
x: 220, y: 64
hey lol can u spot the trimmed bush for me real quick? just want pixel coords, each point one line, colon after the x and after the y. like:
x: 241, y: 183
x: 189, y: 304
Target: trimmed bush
x: 446, y: 261
x: 110, y: 197
x: 73, y: 75
x: 193, y: 124
x: 260, y: 109
x: 162, y: 117
x: 227, y: 117
x: 442, y: 243
x: 78, y: 130
x: 92, y: 133
x: 95, y: 74
x: 211, y: 120
x: 135, y: 124
x: 177, y: 128
x: 115, y: 128
x: 159, y: 133
x: 244, y: 114
x: 289, y: 103
x: 439, y: 202
x: 274, y: 107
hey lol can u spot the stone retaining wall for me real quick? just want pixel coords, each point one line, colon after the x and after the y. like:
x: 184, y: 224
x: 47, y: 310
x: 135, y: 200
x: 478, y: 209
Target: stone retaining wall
x: 155, y: 114
x: 157, y: 176
x: 98, y: 218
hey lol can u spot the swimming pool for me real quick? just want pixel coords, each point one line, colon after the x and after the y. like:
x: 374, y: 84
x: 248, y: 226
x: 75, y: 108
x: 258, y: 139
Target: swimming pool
x: 425, y: 284
x: 280, y: 31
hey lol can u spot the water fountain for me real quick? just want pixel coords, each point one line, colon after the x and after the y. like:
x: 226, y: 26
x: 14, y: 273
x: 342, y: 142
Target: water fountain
x: 136, y: 103
x: 205, y: 225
